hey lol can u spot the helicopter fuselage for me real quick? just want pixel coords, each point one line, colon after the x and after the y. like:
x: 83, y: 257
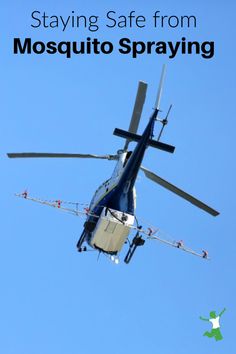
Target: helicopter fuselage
x: 114, y: 201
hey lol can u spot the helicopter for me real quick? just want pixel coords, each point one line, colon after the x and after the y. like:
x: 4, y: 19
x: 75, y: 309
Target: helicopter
x: 110, y: 216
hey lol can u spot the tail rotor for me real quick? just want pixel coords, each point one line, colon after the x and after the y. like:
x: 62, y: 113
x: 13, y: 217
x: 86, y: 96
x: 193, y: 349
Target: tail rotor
x: 164, y: 122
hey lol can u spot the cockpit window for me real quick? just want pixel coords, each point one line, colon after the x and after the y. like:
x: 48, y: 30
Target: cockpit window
x: 99, y: 188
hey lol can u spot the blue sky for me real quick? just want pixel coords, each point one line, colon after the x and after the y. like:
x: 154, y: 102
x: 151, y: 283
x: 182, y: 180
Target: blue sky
x: 54, y: 300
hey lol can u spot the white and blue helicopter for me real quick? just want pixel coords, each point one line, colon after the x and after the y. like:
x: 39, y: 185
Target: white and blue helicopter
x: 110, y: 217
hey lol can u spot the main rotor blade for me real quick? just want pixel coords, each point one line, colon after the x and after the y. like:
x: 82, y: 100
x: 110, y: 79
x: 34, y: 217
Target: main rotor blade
x: 137, y: 111
x: 160, y: 88
x: 59, y: 155
x: 178, y: 191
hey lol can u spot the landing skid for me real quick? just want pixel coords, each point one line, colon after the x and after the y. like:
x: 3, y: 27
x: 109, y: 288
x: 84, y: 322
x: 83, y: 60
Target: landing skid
x: 80, y: 242
x: 137, y: 241
x: 82, y: 249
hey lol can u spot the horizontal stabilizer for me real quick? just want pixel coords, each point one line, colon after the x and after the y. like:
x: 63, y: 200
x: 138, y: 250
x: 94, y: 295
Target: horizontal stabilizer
x: 135, y: 137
